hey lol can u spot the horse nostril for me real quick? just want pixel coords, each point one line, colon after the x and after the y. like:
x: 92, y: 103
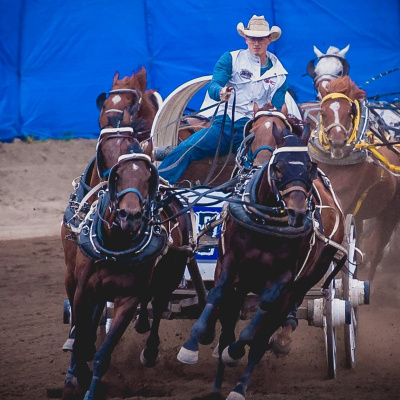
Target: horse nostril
x: 135, y: 217
x: 122, y: 214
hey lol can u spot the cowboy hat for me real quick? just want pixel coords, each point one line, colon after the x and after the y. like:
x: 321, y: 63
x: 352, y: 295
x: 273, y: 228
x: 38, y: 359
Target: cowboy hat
x: 258, y: 27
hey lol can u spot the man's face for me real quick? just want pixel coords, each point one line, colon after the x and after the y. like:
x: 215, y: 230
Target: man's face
x: 258, y: 46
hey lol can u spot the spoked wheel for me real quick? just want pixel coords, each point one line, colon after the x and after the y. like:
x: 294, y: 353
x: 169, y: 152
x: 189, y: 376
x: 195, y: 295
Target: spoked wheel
x: 348, y: 274
x: 330, y: 330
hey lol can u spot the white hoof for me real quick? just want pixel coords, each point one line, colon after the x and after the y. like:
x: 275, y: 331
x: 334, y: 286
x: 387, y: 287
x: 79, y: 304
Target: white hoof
x: 145, y: 362
x: 228, y: 360
x: 235, y: 396
x: 67, y: 346
x: 188, y: 356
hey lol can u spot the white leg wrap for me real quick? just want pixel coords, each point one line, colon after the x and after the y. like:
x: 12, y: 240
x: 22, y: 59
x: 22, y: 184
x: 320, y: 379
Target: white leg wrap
x: 227, y: 359
x: 235, y: 396
x: 67, y: 346
x: 188, y: 356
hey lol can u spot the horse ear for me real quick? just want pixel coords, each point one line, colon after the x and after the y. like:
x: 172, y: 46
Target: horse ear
x: 141, y: 79
x: 305, y: 135
x: 255, y: 108
x: 322, y: 89
x: 317, y: 52
x: 278, y: 135
x: 116, y: 77
x: 101, y: 98
x: 343, y: 52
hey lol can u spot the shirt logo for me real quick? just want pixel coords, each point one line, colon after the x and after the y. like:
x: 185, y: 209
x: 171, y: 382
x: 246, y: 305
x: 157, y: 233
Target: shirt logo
x: 245, y: 73
x: 270, y: 81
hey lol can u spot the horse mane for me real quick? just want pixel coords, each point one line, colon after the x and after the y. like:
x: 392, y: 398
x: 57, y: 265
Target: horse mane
x: 347, y: 87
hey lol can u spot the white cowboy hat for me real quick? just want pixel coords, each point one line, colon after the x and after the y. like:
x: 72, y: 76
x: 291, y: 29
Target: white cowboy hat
x: 258, y: 27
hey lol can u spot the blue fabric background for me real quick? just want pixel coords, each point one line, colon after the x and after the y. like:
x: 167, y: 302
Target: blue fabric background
x: 56, y: 57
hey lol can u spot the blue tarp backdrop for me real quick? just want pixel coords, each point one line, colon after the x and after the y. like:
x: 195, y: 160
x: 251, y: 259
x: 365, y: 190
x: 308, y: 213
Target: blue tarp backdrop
x: 56, y: 57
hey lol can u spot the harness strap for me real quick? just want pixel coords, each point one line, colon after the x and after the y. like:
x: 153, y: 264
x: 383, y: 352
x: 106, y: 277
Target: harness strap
x: 89, y: 194
x: 131, y: 190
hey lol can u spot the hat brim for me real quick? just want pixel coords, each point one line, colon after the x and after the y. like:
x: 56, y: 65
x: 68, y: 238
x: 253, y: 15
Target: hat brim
x: 274, y: 32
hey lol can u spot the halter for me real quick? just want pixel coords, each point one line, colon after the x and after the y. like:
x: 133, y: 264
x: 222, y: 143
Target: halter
x: 351, y: 133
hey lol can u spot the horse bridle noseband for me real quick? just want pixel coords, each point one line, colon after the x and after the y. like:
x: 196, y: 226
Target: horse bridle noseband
x: 351, y: 132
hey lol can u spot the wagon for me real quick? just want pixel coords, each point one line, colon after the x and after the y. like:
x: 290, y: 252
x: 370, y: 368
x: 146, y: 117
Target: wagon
x: 330, y: 309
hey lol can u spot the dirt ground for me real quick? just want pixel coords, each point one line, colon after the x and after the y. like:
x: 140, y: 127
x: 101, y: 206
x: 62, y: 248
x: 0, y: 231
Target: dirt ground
x: 35, y: 186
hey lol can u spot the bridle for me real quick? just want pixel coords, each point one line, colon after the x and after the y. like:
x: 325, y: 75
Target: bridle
x: 318, y: 78
x: 108, y: 134
x: 133, y: 110
x: 351, y: 132
x: 147, y: 204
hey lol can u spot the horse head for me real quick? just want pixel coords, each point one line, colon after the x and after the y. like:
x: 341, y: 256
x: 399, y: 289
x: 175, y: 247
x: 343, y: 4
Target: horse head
x: 129, y: 104
x: 328, y: 66
x: 111, y: 144
x: 291, y: 173
x: 340, y: 116
x: 260, y: 126
x: 133, y: 184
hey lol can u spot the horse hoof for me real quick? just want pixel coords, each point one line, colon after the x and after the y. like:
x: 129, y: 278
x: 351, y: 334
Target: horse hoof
x: 147, y: 363
x: 228, y: 360
x: 188, y: 356
x: 67, y: 346
x: 280, y: 349
x: 235, y: 396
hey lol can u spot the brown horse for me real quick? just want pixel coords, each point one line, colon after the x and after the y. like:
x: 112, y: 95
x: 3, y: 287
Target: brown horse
x: 125, y: 118
x: 364, y: 177
x: 126, y: 255
x: 277, y: 242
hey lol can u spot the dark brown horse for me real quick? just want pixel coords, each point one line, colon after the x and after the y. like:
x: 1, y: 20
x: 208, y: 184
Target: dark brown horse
x: 126, y: 255
x: 277, y: 242
x: 364, y: 177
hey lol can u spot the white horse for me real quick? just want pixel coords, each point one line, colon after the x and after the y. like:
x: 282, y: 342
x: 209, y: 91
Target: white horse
x: 385, y: 116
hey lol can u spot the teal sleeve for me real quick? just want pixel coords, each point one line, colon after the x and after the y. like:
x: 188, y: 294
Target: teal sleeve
x: 221, y: 75
x: 279, y: 97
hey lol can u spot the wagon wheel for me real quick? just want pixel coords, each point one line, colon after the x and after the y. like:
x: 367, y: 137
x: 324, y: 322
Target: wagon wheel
x: 348, y: 273
x: 330, y: 330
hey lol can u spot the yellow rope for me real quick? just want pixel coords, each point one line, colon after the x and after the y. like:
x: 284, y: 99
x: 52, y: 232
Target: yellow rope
x: 364, y: 195
x: 379, y: 156
x: 322, y: 137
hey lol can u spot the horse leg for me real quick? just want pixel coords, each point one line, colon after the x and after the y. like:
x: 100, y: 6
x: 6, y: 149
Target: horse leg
x: 101, y: 362
x: 142, y: 324
x: 232, y: 354
x: 378, y: 237
x: 229, y: 314
x: 189, y: 353
x: 149, y: 355
x: 281, y: 343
